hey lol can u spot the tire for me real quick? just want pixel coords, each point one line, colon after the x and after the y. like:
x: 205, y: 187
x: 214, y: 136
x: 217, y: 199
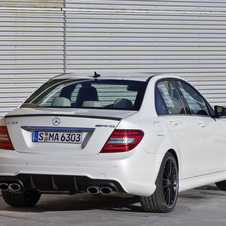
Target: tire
x: 164, y: 199
x: 221, y: 185
x: 26, y: 199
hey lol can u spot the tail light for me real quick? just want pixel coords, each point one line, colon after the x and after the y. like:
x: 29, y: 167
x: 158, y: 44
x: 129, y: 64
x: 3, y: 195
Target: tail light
x: 5, y: 142
x: 122, y: 140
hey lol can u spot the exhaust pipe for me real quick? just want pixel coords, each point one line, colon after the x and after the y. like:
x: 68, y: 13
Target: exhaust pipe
x: 106, y: 190
x: 93, y: 190
x: 14, y: 187
x: 4, y: 186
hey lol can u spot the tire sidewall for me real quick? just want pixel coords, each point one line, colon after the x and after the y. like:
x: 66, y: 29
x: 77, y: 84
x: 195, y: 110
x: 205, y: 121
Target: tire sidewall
x: 159, y: 184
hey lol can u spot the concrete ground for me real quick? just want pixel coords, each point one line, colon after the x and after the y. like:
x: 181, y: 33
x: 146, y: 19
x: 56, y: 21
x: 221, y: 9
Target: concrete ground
x: 202, y: 206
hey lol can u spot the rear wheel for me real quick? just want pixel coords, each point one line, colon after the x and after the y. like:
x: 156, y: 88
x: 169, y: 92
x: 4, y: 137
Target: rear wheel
x: 26, y: 199
x: 165, y: 196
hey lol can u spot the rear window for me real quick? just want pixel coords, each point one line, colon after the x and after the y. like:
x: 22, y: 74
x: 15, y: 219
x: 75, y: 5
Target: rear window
x: 107, y: 94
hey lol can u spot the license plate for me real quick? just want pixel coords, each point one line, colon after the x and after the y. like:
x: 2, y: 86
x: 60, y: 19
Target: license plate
x: 57, y: 137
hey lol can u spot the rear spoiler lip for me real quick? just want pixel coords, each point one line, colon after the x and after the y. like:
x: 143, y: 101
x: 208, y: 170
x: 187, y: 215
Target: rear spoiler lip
x: 65, y: 115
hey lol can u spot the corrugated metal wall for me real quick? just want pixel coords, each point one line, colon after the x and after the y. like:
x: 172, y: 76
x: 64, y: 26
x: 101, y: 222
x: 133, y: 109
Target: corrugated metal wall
x: 186, y: 36
x: 31, y: 48
x: 42, y: 38
x: 32, y: 3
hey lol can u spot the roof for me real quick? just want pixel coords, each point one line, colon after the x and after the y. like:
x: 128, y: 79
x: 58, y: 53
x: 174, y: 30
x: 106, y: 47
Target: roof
x: 124, y: 75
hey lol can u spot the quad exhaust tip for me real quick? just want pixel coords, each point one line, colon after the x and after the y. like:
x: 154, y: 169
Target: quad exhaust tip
x: 14, y: 187
x: 4, y: 186
x: 106, y: 190
x: 93, y: 190
x: 103, y: 190
x: 10, y: 187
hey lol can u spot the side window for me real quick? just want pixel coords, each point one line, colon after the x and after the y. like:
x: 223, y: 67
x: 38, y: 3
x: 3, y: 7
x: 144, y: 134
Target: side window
x: 159, y: 104
x: 171, y: 98
x: 195, y: 101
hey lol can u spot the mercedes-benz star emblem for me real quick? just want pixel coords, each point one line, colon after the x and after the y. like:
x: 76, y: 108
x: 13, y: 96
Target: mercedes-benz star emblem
x: 56, y: 121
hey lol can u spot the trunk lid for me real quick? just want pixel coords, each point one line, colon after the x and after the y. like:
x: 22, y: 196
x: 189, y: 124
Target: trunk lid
x: 64, y: 131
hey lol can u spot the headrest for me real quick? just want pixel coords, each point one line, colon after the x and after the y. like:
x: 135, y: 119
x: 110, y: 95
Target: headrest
x: 61, y: 102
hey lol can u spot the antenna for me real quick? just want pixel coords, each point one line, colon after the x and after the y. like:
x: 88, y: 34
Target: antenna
x: 96, y: 75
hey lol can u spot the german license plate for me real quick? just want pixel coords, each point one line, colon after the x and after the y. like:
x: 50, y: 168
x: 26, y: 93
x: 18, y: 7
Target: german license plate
x: 57, y: 137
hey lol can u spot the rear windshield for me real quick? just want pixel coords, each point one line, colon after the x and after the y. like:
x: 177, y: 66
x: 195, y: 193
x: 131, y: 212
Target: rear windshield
x: 107, y: 94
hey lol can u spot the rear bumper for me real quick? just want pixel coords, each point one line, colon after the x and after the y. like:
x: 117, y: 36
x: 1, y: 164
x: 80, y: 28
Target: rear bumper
x: 134, y: 172
x: 57, y: 183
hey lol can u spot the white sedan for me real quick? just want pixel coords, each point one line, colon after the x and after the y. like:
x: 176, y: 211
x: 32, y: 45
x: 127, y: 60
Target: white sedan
x: 148, y: 136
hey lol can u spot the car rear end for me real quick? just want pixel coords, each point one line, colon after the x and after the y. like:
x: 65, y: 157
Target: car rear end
x: 75, y: 135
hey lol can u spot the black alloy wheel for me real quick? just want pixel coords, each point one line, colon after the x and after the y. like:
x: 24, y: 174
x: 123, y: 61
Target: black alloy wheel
x: 165, y: 196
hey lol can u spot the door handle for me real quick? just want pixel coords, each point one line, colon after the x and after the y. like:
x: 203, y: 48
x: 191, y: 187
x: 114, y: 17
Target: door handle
x: 202, y: 124
x: 174, y: 122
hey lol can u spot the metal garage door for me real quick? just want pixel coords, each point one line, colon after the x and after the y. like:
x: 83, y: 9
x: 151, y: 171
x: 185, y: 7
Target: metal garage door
x: 31, y: 48
x: 42, y: 38
x: 186, y: 36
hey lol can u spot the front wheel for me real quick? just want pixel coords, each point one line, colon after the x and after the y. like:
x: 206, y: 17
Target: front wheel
x: 26, y: 199
x: 164, y: 198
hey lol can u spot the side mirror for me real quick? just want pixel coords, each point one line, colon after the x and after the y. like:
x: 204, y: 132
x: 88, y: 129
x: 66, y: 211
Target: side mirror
x: 220, y: 111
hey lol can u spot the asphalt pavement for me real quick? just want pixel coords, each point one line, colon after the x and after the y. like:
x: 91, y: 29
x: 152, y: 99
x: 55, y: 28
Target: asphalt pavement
x: 202, y: 206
